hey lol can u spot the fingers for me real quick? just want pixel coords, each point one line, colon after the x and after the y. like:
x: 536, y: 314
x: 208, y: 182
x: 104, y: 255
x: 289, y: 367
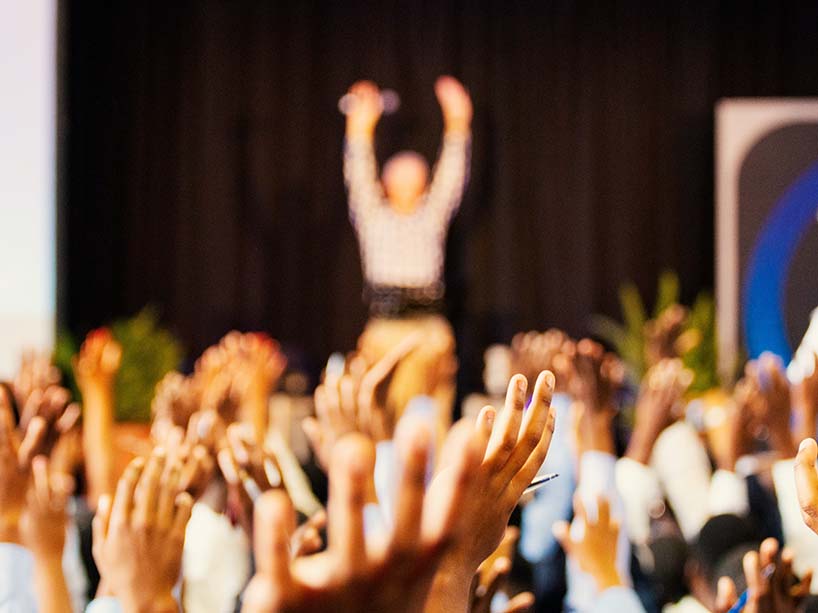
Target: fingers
x: 41, y: 487
x: 507, y: 426
x: 353, y: 461
x: 521, y: 603
x: 167, y: 497
x: 533, y: 424
x: 147, y: 492
x: 99, y: 526
x: 535, y: 460
x: 32, y: 440
x: 412, y: 439
x: 123, y: 500
x: 806, y: 482
x: 726, y: 595
x: 497, y: 578
x: 184, y: 507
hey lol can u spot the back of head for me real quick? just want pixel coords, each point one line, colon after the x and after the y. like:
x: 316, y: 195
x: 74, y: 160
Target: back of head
x: 732, y: 565
x: 719, y: 536
x: 404, y: 179
x: 668, y: 575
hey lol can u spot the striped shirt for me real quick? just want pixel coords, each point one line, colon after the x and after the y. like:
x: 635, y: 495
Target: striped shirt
x: 400, y: 250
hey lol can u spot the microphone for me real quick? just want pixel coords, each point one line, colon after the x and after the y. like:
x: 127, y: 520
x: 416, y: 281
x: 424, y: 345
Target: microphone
x: 390, y: 102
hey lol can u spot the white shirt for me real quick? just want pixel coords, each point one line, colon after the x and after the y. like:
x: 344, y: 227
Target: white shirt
x: 404, y: 250
x: 215, y: 562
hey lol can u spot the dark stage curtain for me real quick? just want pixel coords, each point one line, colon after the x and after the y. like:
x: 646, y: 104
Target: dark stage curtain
x: 203, y: 155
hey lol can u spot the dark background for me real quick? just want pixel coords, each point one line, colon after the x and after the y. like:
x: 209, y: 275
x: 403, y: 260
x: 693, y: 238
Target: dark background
x: 202, y: 155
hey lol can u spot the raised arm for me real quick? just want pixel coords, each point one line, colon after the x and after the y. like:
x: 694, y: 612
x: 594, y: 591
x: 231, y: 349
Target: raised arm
x: 360, y: 167
x: 452, y: 168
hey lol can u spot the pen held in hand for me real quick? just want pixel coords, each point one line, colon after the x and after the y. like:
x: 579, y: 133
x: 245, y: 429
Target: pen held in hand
x: 766, y: 573
x: 538, y: 482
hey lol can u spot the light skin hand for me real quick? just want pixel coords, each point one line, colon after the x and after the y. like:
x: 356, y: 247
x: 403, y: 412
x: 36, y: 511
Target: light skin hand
x: 366, y: 110
x: 777, y: 410
x: 455, y: 103
x: 595, y: 551
x: 662, y: 390
x: 16, y: 452
x: 138, y: 536
x: 806, y: 482
x: 808, y: 403
x: 95, y: 368
x: 42, y: 528
x: 356, y: 401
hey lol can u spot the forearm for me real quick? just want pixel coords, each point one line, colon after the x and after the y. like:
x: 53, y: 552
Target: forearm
x: 164, y: 603
x: 9, y: 527
x: 51, y: 588
x: 255, y: 409
x: 97, y: 441
x: 641, y: 444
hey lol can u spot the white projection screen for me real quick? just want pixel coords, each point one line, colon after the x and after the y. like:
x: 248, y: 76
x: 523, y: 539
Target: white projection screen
x: 28, y: 115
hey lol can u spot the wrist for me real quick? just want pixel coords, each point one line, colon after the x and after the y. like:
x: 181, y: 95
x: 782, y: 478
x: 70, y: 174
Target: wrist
x: 450, y: 591
x: 160, y: 603
x: 607, y: 578
x: 640, y: 447
x: 9, y: 528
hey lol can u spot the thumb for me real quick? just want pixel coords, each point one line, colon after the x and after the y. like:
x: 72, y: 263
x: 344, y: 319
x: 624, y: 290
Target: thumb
x: 725, y: 595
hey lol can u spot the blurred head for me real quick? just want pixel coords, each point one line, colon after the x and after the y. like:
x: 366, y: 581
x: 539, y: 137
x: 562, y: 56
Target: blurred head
x: 404, y: 179
x: 717, y: 552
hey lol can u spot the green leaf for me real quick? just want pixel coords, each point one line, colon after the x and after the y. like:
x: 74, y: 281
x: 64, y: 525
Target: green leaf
x: 149, y: 352
x: 667, y: 292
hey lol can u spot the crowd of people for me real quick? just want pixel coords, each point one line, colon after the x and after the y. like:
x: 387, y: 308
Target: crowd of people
x: 663, y: 500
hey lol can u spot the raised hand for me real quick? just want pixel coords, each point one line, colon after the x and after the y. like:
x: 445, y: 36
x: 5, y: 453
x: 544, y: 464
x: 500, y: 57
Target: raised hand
x: 807, y: 406
x: 771, y: 585
x: 18, y: 445
x: 772, y: 382
x: 138, y: 536
x: 733, y: 437
x: 98, y: 361
x: 42, y: 528
x: 665, y: 336
x: 365, y: 109
x: 658, y: 405
x: 455, y: 103
x: 552, y: 350
x: 248, y: 469
x: 259, y: 365
x: 356, y: 402
x: 389, y: 571
x: 36, y: 372
x: 516, y: 440
x: 595, y: 550
x: 492, y: 576
x: 598, y: 377
x: 806, y: 482
x: 95, y: 368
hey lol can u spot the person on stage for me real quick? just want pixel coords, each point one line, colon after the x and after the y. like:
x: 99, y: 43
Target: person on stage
x: 401, y: 222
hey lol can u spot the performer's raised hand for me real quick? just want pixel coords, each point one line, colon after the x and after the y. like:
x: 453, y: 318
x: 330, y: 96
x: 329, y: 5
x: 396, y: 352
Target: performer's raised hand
x: 455, y: 102
x: 365, y: 109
